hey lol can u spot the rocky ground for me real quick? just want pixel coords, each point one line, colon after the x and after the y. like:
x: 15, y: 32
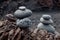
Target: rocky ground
x: 9, y: 30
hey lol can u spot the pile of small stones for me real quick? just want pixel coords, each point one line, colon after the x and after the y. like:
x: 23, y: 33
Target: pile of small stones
x: 22, y: 15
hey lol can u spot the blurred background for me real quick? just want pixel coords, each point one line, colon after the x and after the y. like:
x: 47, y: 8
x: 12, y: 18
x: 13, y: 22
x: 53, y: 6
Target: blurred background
x: 8, y: 6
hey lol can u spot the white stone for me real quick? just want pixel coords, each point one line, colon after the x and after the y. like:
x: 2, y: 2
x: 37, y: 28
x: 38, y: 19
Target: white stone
x: 22, y: 8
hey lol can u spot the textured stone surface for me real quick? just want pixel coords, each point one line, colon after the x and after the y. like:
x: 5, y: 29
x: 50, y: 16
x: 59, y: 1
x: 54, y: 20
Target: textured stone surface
x: 26, y: 22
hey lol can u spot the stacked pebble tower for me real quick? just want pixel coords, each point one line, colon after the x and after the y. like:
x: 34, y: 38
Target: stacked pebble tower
x: 22, y: 15
x: 46, y: 23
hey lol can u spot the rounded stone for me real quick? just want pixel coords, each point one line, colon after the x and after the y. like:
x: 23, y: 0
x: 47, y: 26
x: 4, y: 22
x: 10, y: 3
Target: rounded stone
x: 24, y: 23
x: 10, y: 17
x: 22, y: 12
x: 22, y: 8
x: 46, y: 19
x: 48, y: 28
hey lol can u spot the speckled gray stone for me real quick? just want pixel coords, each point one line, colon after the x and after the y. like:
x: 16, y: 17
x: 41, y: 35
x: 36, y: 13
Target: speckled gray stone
x: 26, y: 22
x: 22, y: 12
x: 48, y: 28
x: 46, y: 19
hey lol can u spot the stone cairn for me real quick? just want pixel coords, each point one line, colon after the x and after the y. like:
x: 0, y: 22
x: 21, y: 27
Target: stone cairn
x: 46, y: 25
x: 22, y: 15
